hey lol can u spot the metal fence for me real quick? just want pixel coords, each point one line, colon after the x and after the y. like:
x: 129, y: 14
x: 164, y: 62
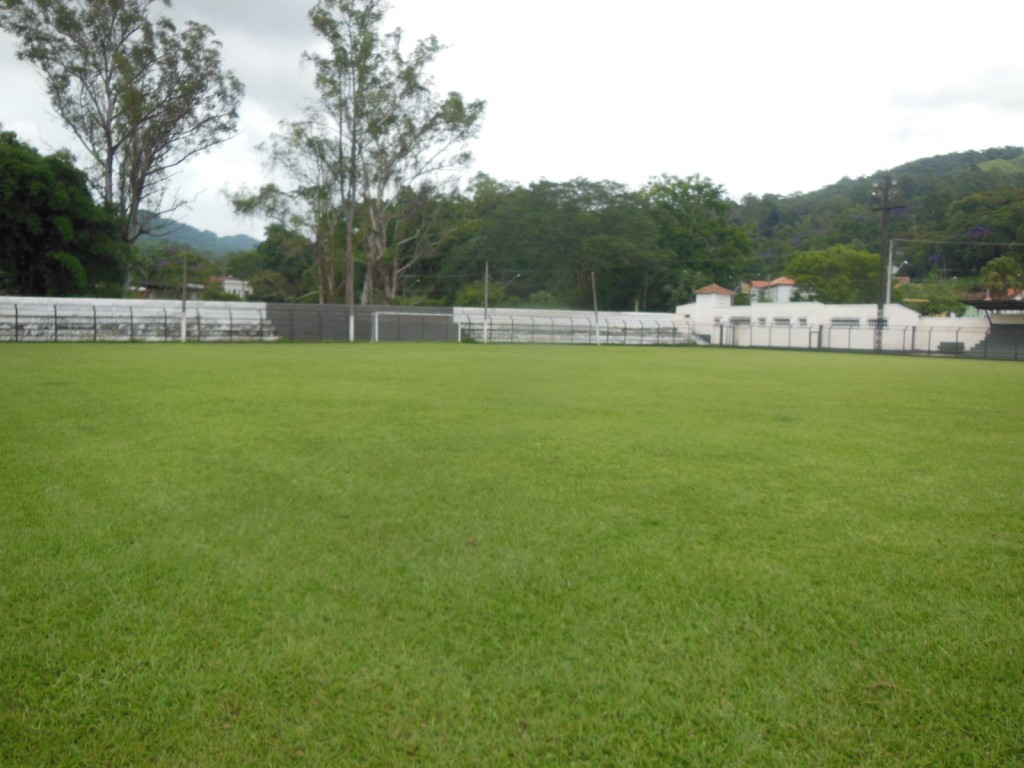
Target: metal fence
x: 997, y: 342
x: 573, y: 328
x: 29, y: 320
x: 81, y: 321
x: 40, y: 320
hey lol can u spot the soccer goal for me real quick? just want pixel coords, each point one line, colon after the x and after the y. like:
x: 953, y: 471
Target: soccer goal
x: 415, y: 326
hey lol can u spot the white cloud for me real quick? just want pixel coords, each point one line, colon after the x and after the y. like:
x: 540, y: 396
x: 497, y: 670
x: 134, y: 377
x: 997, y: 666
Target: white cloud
x: 1000, y: 89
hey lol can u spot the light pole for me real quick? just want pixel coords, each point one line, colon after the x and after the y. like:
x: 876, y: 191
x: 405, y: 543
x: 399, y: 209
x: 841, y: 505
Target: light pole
x: 891, y: 273
x: 184, y: 294
x: 487, y: 287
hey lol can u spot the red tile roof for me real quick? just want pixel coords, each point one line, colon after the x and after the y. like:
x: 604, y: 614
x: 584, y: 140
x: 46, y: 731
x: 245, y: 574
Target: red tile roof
x: 715, y: 288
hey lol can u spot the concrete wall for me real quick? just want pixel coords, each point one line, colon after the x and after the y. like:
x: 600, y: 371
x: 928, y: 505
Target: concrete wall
x: 845, y: 327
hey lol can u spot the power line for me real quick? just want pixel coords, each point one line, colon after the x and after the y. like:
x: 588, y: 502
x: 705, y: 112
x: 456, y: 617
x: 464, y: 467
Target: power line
x: 955, y: 242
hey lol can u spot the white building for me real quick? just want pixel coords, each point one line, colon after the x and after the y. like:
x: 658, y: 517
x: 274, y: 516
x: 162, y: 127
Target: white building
x: 814, y: 325
x: 778, y: 291
x: 235, y: 286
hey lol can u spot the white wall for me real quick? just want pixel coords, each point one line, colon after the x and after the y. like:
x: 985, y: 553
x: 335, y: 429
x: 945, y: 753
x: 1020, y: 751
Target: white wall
x: 813, y: 325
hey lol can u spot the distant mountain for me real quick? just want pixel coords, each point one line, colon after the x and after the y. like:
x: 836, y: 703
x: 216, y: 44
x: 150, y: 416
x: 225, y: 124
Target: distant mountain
x: 201, y: 241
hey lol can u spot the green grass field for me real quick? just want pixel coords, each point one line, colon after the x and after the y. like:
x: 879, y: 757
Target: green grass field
x: 460, y: 555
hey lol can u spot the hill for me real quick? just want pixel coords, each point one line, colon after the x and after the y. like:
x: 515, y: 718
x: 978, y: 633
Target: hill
x: 203, y: 242
x: 950, y: 206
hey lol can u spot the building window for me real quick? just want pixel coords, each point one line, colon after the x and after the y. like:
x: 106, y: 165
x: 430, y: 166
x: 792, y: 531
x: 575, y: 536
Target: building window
x: 846, y: 322
x: 781, y: 321
x: 802, y: 322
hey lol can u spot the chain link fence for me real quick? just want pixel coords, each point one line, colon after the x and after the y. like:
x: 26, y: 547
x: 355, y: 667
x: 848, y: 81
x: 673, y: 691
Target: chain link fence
x: 97, y: 320
x: 94, y: 320
x: 573, y: 328
x: 998, y: 341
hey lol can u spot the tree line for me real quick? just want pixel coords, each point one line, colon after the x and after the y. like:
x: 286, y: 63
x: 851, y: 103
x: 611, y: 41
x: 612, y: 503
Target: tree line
x: 367, y: 206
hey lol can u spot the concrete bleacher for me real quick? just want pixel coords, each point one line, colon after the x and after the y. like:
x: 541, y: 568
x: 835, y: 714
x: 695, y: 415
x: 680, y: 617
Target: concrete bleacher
x: 1004, y: 341
x: 68, y: 319
x: 531, y: 326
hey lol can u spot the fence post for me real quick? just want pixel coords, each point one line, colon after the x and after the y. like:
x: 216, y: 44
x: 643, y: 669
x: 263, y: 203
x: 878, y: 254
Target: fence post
x: 95, y: 330
x: 16, y: 321
x: 54, y: 322
x: 231, y: 325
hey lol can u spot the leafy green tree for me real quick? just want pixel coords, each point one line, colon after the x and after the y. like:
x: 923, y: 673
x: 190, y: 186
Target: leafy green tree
x: 282, y: 250
x: 141, y: 95
x: 693, y: 217
x: 165, y: 264
x: 931, y: 296
x: 497, y: 295
x: 268, y: 285
x: 278, y: 267
x: 837, y: 275
x: 421, y: 219
x: 1001, y: 275
x: 54, y: 240
x: 552, y: 235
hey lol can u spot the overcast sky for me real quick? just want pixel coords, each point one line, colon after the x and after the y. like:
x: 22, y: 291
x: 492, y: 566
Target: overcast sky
x: 759, y: 97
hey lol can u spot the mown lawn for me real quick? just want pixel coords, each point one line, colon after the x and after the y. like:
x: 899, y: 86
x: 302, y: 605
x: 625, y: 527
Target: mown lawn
x: 218, y: 555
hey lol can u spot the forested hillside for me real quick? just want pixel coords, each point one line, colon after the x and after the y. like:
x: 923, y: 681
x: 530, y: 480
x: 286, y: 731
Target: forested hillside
x: 958, y: 212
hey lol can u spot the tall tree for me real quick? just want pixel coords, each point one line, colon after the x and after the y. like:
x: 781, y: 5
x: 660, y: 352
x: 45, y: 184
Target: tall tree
x: 54, y: 240
x: 307, y: 154
x: 141, y: 95
x: 393, y: 130
x: 693, y: 217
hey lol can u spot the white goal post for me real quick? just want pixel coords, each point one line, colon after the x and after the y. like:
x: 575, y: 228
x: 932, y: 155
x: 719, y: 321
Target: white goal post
x: 437, y: 316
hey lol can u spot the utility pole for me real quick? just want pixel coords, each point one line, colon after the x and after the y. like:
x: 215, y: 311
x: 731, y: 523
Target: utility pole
x: 487, y: 286
x: 884, y: 277
x: 184, y: 294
